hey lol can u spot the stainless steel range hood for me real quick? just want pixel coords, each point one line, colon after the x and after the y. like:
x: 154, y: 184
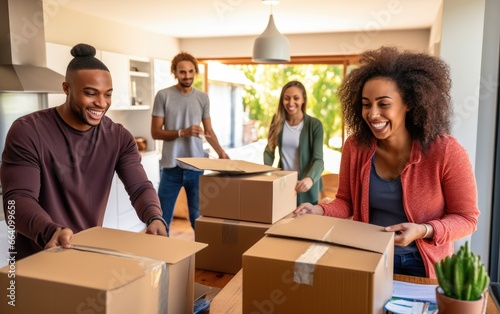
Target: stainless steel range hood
x: 23, y: 63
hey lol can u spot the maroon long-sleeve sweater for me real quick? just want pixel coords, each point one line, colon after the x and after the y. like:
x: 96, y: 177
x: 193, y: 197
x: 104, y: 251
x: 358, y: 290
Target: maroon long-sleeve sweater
x: 439, y: 188
x: 55, y: 176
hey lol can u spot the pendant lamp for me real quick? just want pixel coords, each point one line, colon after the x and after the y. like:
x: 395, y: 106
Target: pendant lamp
x: 271, y: 46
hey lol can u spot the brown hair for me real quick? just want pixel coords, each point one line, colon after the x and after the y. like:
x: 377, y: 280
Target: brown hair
x: 423, y: 82
x: 183, y: 56
x: 279, y: 118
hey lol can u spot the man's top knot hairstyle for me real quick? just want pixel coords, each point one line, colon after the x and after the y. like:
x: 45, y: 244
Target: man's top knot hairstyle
x: 84, y: 59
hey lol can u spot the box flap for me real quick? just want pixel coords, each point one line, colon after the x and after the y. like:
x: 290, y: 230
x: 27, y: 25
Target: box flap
x: 161, y: 248
x: 70, y: 266
x: 226, y: 165
x: 333, y: 230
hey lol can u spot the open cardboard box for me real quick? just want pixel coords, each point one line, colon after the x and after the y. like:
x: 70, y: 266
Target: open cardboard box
x: 319, y: 264
x: 242, y: 190
x: 108, y: 271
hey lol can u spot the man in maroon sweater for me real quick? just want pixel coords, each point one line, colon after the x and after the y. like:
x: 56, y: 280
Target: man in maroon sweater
x: 58, y: 164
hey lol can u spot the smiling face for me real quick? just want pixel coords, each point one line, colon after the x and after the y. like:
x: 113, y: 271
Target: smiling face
x: 293, y: 100
x: 383, y: 108
x: 88, y: 98
x: 185, y: 73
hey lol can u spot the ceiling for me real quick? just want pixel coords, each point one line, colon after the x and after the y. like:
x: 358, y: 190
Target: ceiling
x: 219, y: 18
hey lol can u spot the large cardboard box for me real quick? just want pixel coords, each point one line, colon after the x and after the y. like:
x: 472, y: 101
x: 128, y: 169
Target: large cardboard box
x: 107, y: 271
x: 227, y: 241
x: 241, y: 190
x: 318, y: 264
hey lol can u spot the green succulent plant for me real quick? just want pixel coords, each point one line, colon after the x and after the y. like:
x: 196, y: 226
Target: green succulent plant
x: 462, y: 276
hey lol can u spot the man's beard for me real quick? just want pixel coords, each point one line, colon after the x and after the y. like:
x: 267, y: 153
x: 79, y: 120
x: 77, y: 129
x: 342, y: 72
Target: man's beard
x: 186, y: 83
x: 80, y: 113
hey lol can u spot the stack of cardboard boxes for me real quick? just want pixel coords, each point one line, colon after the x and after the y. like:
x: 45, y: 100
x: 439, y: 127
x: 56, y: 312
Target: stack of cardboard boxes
x: 239, y: 201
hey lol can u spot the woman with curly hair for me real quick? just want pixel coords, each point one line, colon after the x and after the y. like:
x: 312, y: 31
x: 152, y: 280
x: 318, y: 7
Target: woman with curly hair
x: 289, y: 127
x: 400, y: 167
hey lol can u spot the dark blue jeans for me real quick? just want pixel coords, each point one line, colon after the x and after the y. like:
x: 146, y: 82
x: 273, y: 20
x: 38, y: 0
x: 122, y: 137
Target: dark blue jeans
x: 171, y: 181
x: 410, y: 264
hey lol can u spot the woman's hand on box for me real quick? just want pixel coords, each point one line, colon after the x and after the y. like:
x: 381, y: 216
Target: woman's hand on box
x: 308, y: 208
x: 407, y: 232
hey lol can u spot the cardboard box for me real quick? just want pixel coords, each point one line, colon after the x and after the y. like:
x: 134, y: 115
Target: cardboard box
x: 241, y: 190
x: 319, y: 264
x: 106, y: 271
x: 227, y: 241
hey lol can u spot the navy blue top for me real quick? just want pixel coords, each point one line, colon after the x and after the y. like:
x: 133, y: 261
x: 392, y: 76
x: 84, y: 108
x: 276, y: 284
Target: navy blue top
x: 386, y: 205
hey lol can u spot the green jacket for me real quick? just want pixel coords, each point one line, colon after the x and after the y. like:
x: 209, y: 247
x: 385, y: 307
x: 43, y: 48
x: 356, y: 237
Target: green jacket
x: 310, y: 157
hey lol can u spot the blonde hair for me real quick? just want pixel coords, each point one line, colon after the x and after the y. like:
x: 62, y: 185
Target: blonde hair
x: 279, y: 118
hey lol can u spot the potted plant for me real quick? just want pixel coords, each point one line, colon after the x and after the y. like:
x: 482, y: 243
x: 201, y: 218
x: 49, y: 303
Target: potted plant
x: 463, y: 282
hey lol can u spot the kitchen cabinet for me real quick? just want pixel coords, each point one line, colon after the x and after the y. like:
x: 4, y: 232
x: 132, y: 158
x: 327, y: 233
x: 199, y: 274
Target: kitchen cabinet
x: 132, y: 87
x: 4, y: 237
x: 119, y: 213
x: 140, y: 83
x: 4, y: 244
x: 58, y: 57
x: 119, y: 68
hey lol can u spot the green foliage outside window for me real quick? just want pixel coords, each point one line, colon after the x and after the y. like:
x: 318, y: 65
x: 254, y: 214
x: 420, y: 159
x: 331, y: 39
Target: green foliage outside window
x: 321, y: 82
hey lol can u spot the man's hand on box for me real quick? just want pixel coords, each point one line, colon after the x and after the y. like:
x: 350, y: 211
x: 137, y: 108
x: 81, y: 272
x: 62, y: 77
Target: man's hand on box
x: 157, y: 227
x: 62, y: 237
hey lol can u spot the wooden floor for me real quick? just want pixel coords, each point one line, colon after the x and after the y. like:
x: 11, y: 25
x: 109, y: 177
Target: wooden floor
x: 181, y: 228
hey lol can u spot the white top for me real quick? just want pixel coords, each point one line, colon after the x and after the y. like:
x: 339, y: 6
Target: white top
x: 290, y: 146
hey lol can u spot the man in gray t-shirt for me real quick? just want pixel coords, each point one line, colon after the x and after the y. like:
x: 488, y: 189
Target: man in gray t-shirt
x: 178, y: 113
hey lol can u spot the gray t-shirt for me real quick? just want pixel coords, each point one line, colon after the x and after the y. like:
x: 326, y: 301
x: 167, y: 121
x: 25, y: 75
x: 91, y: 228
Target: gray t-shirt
x: 179, y: 112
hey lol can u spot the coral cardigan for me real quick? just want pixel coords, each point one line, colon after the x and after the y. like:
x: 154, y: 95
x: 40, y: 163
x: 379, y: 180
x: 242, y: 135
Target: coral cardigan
x: 439, y: 188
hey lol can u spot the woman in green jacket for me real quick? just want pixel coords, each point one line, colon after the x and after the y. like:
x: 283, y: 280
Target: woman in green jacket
x: 299, y: 139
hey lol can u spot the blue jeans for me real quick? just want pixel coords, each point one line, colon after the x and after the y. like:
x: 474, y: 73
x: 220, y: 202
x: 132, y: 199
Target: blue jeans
x: 410, y: 264
x: 171, y: 181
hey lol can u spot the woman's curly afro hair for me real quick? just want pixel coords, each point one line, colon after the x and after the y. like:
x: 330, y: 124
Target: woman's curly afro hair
x: 423, y: 82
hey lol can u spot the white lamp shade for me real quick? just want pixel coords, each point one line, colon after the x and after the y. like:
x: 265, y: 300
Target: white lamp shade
x: 271, y: 46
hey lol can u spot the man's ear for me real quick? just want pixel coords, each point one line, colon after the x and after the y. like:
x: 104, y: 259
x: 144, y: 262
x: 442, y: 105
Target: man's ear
x: 65, y: 87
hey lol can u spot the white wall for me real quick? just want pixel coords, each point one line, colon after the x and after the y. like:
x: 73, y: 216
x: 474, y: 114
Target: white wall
x: 66, y: 27
x: 469, y: 44
x: 487, y: 115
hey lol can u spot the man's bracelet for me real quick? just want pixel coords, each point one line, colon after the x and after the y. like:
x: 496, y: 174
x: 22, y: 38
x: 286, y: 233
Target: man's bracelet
x: 179, y: 133
x: 157, y: 218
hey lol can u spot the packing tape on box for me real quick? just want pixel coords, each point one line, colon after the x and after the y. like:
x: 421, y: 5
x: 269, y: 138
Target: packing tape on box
x: 159, y: 270
x: 230, y: 231
x: 305, y: 264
